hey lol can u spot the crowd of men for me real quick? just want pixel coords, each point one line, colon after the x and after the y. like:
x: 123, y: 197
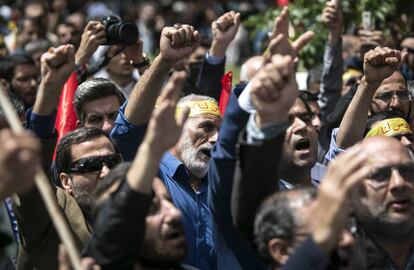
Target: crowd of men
x: 162, y: 171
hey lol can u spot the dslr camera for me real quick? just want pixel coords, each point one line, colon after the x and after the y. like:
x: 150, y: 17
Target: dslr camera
x: 120, y: 32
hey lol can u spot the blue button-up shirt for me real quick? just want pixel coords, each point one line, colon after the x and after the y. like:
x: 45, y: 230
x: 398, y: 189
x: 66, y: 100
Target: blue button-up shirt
x: 196, y: 215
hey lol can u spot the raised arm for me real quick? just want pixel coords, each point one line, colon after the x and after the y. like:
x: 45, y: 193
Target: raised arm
x: 273, y: 92
x: 176, y: 43
x: 379, y: 64
x: 331, y: 81
x: 121, y: 221
x: 224, y: 30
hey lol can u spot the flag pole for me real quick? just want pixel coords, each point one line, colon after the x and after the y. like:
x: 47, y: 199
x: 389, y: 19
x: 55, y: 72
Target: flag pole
x: 43, y: 185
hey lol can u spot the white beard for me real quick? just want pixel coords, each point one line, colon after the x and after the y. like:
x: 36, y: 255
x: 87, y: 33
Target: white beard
x: 193, y: 158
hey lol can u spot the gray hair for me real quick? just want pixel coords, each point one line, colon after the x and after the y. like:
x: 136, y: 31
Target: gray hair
x: 277, y: 218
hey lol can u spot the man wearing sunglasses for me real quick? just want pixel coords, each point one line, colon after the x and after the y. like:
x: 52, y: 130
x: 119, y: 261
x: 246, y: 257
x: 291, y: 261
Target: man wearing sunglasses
x: 83, y: 157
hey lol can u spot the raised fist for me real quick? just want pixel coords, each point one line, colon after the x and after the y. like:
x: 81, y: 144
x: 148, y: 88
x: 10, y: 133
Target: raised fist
x: 58, y: 63
x: 178, y: 42
x: 224, y: 30
x: 274, y: 90
x: 380, y: 63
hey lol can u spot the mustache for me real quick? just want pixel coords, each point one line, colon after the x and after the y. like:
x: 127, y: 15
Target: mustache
x: 398, y: 111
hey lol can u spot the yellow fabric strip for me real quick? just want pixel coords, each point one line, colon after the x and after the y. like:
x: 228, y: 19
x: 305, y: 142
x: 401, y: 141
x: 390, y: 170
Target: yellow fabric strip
x: 200, y: 107
x: 389, y: 127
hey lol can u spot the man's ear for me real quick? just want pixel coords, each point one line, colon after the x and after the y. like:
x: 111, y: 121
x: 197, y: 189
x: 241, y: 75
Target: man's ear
x: 78, y: 124
x: 5, y: 84
x: 66, y: 181
x: 279, y: 249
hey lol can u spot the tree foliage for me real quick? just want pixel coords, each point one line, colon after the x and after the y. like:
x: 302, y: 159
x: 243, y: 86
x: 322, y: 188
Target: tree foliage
x: 394, y: 17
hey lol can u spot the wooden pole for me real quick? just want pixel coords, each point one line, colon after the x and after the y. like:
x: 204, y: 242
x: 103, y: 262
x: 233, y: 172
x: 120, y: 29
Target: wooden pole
x: 43, y: 185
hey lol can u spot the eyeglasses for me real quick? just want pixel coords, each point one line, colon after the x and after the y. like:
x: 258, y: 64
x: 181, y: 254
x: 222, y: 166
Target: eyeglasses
x: 382, y: 175
x: 94, y: 164
x: 387, y: 96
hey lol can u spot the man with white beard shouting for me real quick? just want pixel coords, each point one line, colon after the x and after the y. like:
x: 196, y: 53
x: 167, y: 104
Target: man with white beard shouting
x: 184, y: 172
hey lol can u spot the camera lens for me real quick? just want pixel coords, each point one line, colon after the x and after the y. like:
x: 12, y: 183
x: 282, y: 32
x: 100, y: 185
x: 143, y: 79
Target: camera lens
x: 127, y: 33
x: 120, y: 32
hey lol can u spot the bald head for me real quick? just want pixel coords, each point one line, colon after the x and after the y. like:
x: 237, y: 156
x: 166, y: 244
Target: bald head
x: 382, y: 150
x: 250, y: 68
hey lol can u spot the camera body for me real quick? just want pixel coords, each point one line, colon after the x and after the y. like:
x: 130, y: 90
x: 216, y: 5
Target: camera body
x: 120, y: 32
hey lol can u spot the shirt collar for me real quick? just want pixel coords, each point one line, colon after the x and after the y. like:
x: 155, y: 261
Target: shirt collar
x: 175, y: 169
x: 171, y: 164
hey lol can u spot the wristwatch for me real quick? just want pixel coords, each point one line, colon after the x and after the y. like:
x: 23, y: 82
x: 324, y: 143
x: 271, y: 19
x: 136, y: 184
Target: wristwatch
x: 145, y: 62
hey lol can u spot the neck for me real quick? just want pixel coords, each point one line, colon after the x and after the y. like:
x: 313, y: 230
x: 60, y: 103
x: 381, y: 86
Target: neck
x: 398, y: 248
x: 194, y: 181
x: 120, y: 79
x: 296, y: 176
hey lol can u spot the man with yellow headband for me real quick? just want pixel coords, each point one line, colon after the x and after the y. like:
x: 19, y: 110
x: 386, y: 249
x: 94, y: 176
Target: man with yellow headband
x: 382, y: 89
x: 385, y: 124
x: 184, y: 172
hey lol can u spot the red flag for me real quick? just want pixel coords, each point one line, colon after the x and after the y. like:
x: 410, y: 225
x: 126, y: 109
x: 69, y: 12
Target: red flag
x: 226, y: 84
x: 282, y: 3
x: 66, y: 116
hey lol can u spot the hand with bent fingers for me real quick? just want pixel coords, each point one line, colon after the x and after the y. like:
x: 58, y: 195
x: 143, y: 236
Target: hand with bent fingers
x: 224, y: 30
x: 380, y: 63
x: 19, y: 161
x: 93, y: 36
x: 279, y: 39
x: 177, y: 43
x: 57, y: 64
x: 332, y: 18
x: 331, y: 209
x: 274, y: 90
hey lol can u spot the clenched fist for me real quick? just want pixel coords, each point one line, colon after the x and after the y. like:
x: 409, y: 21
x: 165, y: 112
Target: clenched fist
x: 178, y: 42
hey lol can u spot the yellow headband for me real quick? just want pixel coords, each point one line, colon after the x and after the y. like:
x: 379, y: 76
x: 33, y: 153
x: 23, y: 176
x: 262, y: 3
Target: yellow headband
x: 200, y: 107
x: 351, y: 72
x: 389, y: 128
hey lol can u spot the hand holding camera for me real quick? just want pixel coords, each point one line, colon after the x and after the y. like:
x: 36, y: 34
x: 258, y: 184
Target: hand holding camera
x: 93, y: 36
x: 110, y: 31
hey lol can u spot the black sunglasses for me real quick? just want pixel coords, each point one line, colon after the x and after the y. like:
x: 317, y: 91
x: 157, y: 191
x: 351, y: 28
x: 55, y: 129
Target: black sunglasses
x: 383, y: 174
x: 94, y: 164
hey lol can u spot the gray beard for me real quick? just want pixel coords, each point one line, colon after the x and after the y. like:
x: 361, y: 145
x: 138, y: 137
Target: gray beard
x: 192, y: 159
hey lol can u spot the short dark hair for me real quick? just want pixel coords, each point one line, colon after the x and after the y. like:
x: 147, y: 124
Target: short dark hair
x: 18, y: 105
x: 379, y: 116
x: 276, y: 219
x: 9, y: 63
x: 93, y: 89
x: 77, y: 136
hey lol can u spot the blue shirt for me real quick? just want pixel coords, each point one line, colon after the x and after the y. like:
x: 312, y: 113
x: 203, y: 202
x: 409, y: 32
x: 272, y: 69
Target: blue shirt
x: 317, y: 173
x: 196, y: 215
x: 126, y: 135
